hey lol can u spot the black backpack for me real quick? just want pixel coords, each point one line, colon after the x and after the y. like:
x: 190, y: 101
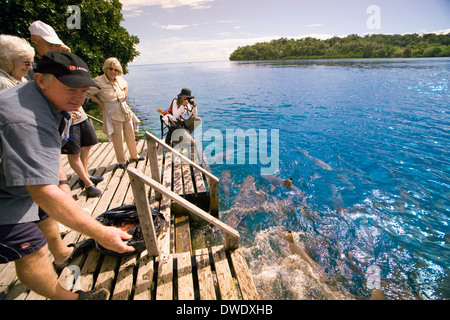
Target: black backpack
x: 126, y: 218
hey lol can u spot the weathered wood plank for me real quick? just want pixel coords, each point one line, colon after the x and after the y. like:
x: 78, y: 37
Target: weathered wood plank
x: 188, y: 184
x: 165, y: 201
x: 199, y: 182
x: 182, y: 233
x: 223, y: 273
x: 124, y: 283
x: 7, y: 277
x: 177, y: 177
x: 144, y: 278
x: 85, y: 279
x: 185, y: 280
x: 164, y: 237
x: 164, y: 288
x: 167, y: 175
x: 248, y: 288
x: 106, y: 275
x: 205, y: 276
x: 18, y: 292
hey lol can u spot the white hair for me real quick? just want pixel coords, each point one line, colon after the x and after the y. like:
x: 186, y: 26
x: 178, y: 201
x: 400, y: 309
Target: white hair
x: 109, y: 62
x: 12, y: 47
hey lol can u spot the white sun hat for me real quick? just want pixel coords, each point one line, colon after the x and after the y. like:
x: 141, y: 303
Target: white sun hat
x: 42, y: 29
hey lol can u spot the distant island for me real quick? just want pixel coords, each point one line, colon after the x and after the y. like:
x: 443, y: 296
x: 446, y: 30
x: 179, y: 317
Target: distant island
x: 352, y: 46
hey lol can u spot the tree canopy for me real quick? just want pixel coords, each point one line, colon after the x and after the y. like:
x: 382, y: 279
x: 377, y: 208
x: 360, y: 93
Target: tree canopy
x: 99, y: 36
x: 352, y: 46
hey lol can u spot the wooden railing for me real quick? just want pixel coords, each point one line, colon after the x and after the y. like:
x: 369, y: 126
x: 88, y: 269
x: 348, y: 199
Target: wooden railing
x: 213, y: 181
x: 94, y: 118
x: 139, y: 181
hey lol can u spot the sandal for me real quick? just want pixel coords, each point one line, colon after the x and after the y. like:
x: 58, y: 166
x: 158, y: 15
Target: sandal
x: 94, y: 179
x: 140, y: 158
x: 78, y: 249
x: 123, y: 165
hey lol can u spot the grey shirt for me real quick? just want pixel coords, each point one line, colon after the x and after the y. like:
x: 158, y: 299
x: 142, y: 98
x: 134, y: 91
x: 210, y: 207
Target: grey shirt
x: 30, y: 146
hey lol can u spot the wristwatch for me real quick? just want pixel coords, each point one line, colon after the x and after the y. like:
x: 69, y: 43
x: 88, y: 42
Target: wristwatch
x: 63, y: 182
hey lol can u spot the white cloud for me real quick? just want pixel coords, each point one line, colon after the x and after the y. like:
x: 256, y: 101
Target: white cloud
x: 130, y: 5
x: 441, y: 31
x: 420, y: 32
x: 314, y: 25
x: 132, y: 13
x: 321, y: 36
x: 176, y: 26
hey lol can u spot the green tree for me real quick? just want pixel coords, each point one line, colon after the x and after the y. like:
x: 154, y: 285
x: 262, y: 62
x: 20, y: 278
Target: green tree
x: 407, y: 53
x: 100, y: 35
x: 352, y: 46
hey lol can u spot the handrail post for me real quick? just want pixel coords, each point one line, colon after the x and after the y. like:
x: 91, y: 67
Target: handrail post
x: 145, y: 216
x: 231, y: 242
x: 213, y: 197
x: 153, y: 157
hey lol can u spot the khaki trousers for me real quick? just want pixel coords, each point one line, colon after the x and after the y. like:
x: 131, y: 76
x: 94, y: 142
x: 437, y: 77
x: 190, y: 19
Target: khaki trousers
x: 121, y: 129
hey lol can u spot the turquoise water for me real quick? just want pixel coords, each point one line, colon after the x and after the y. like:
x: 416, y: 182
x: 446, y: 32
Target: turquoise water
x: 366, y: 142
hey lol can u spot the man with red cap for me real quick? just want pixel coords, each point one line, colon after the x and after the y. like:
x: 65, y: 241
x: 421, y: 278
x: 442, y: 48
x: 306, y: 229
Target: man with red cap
x: 30, y: 172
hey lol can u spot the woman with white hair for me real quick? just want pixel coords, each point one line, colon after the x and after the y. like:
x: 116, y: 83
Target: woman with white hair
x: 118, y: 119
x: 16, y: 59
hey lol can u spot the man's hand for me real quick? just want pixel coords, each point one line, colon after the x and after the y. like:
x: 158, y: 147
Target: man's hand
x: 112, y: 239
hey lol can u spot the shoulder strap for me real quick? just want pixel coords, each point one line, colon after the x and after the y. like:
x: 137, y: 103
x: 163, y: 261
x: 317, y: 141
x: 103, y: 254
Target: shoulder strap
x: 170, y: 107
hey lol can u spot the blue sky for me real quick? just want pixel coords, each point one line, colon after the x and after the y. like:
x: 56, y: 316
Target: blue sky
x: 210, y: 30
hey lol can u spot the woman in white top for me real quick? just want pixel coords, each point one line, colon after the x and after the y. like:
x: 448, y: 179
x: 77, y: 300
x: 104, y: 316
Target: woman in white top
x: 118, y: 119
x: 16, y: 59
x: 180, y: 107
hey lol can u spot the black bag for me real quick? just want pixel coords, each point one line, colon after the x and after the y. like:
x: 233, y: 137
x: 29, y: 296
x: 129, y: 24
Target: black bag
x: 174, y: 125
x: 126, y: 218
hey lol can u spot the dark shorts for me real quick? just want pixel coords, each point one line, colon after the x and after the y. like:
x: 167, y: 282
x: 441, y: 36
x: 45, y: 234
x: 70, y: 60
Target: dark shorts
x: 82, y: 135
x: 21, y: 239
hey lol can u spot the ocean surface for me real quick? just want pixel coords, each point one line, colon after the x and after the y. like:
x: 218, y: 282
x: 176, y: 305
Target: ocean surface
x: 367, y: 145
